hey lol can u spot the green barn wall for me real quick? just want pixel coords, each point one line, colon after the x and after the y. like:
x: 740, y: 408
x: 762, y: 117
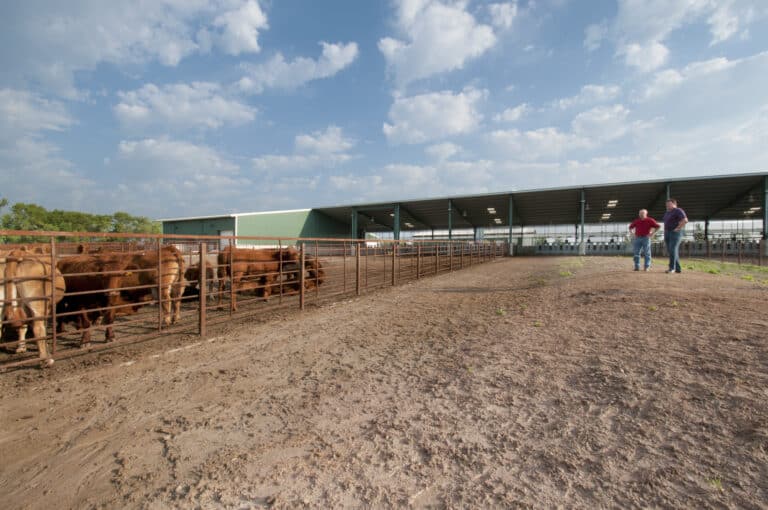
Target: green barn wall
x: 289, y: 224
x: 200, y: 226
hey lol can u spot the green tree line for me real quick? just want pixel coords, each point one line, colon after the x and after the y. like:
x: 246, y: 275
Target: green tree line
x: 21, y: 216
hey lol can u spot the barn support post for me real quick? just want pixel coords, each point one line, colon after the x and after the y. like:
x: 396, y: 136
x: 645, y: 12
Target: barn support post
x: 396, y: 225
x: 450, y: 220
x: 583, y: 205
x: 358, y: 268
x: 474, y: 234
x: 394, y: 263
x: 53, y: 296
x: 668, y: 188
x: 706, y: 229
x: 510, y: 220
x: 450, y: 255
x: 353, y: 224
x: 302, y: 275
x: 231, y: 279
x: 202, y: 279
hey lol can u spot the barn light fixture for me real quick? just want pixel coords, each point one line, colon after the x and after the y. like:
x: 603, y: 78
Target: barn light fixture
x: 612, y: 203
x: 492, y: 210
x: 749, y: 211
x: 409, y: 225
x: 605, y: 216
x: 497, y: 220
x: 755, y: 208
x: 392, y: 214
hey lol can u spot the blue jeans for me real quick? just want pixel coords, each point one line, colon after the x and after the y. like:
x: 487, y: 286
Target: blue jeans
x: 641, y: 245
x: 672, y: 239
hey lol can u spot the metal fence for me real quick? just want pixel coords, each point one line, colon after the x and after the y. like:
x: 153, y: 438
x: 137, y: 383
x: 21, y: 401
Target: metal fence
x: 129, y: 287
x: 738, y: 251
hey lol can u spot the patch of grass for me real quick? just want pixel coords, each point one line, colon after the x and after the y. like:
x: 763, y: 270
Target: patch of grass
x: 523, y: 306
x: 727, y: 269
x: 501, y: 311
x: 653, y: 308
x: 748, y: 277
x: 716, y: 484
x: 674, y: 304
x: 565, y: 273
x: 537, y: 324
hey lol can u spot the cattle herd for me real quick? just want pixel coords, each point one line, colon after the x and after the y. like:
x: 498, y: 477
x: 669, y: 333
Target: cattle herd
x: 96, y: 286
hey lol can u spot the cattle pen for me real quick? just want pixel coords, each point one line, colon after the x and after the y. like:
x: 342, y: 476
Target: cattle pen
x: 132, y: 301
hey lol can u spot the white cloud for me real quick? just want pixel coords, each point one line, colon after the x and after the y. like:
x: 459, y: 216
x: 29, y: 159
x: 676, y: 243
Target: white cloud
x: 594, y: 35
x: 37, y: 167
x: 442, y: 151
x: 646, y: 57
x: 239, y: 28
x: 279, y: 73
x: 512, y: 114
x: 320, y: 149
x: 181, y: 106
x: 669, y: 79
x: 543, y: 143
x: 603, y: 123
x: 426, y: 117
x: 503, y: 15
x: 47, y: 42
x: 25, y: 112
x: 590, y: 94
x: 642, y: 27
x: 330, y: 141
x: 164, y: 156
x: 438, y: 37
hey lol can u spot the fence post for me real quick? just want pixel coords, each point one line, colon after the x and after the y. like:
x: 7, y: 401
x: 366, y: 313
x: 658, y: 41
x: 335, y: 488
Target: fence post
x: 450, y: 255
x: 344, y: 255
x: 202, y: 284
x: 302, y: 272
x: 317, y: 272
x: 709, y: 249
x: 231, y: 278
x: 760, y: 248
x: 159, y: 284
x: 418, y: 261
x: 357, y: 268
x: 437, y: 258
x: 739, y: 245
x: 53, y: 297
x: 722, y: 252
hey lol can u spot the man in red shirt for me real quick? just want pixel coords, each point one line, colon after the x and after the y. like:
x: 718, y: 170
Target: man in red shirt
x: 643, y: 229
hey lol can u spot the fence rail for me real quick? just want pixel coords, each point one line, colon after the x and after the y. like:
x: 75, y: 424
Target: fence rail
x: 131, y: 290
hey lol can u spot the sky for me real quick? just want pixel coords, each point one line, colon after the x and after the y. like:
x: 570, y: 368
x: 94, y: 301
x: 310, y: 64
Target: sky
x: 171, y: 108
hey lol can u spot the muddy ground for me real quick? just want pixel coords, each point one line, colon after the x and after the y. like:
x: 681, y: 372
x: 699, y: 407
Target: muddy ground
x: 523, y: 382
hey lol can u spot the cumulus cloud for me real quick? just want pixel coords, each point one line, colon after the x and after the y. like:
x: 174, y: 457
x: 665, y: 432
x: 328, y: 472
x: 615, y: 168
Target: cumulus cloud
x: 426, y: 117
x: 47, y: 42
x: 646, y: 57
x: 442, y: 151
x: 436, y: 37
x: 37, y: 165
x: 588, y: 95
x: 543, y: 143
x: 181, y: 106
x: 641, y: 27
x: 669, y: 79
x: 320, y: 149
x: 603, y: 123
x: 512, y: 114
x: 280, y: 73
x: 503, y: 15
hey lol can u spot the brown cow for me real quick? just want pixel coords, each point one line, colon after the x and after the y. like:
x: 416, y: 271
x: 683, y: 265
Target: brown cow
x: 93, y: 291
x: 192, y: 275
x: 252, y: 269
x: 25, y: 296
x: 171, y: 282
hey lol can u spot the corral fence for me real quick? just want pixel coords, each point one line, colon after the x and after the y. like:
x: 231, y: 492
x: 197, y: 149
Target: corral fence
x: 738, y: 251
x: 129, y: 288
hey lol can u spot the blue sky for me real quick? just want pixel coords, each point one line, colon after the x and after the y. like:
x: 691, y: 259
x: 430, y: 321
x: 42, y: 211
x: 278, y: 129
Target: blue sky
x: 190, y: 107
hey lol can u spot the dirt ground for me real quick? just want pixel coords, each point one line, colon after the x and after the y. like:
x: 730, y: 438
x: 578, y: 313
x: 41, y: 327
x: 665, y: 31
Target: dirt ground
x: 536, y: 382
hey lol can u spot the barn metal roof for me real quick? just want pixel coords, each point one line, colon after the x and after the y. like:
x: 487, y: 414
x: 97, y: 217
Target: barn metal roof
x: 722, y: 197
